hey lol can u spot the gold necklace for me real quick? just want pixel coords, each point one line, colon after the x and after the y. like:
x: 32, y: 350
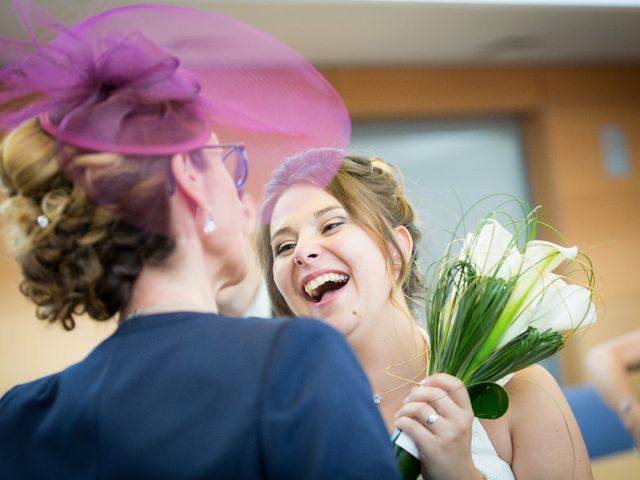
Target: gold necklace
x: 377, y: 396
x: 159, y: 308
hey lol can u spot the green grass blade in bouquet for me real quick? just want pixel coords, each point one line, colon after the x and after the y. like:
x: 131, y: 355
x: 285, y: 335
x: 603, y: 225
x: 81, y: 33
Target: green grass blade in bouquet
x: 528, y: 348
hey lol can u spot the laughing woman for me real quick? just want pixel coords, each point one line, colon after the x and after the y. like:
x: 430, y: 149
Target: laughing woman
x: 342, y: 248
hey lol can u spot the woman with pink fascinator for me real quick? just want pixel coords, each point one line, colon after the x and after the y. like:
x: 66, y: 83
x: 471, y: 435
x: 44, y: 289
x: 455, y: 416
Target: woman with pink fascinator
x: 128, y: 141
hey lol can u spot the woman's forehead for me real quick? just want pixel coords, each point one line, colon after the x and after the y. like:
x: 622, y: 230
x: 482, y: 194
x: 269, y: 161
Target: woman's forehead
x: 302, y: 201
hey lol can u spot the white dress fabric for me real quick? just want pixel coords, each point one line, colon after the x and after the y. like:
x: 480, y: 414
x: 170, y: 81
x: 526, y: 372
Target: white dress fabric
x: 485, y: 457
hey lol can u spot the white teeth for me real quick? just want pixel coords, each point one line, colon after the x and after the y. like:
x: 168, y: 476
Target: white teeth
x: 311, y: 286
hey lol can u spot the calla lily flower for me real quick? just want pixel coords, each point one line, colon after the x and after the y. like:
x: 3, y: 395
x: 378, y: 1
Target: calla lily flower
x: 561, y: 307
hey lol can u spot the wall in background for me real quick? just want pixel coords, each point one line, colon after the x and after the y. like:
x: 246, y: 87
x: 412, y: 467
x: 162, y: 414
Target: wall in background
x: 447, y: 167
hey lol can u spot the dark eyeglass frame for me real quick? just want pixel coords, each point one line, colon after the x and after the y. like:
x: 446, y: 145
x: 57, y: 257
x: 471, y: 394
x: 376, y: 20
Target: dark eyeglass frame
x: 233, y: 147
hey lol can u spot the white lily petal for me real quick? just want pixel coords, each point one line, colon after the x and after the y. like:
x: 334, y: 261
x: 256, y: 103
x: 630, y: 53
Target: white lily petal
x: 546, y: 256
x: 561, y: 307
x: 539, y: 260
x: 530, y: 304
x: 492, y: 251
x: 565, y: 307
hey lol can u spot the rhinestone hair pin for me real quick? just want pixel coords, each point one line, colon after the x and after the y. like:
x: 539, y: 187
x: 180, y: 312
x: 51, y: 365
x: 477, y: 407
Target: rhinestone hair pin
x: 42, y: 221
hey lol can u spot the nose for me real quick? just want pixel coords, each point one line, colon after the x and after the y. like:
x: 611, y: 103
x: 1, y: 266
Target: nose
x: 305, y: 253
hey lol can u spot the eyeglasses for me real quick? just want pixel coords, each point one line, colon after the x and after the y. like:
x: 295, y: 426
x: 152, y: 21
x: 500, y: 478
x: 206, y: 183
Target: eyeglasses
x: 235, y: 160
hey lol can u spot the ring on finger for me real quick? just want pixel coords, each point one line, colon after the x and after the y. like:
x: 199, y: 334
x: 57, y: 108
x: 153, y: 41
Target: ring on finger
x: 433, y: 418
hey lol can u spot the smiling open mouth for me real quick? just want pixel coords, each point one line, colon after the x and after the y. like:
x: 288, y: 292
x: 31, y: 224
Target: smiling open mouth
x: 316, y: 288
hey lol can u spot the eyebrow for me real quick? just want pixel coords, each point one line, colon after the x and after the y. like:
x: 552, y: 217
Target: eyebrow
x: 316, y: 215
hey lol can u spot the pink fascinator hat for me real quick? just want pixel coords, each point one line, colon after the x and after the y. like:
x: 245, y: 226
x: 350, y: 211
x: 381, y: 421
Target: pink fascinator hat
x: 158, y: 79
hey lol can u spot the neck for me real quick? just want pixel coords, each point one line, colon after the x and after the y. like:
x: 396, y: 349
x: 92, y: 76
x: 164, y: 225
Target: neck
x: 394, y: 358
x: 395, y: 342
x: 182, y: 283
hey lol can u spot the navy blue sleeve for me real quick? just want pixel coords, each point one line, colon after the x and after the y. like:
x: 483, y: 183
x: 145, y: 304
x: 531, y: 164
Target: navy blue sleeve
x: 317, y: 418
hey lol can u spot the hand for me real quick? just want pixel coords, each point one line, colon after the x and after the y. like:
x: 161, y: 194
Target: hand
x: 438, y: 418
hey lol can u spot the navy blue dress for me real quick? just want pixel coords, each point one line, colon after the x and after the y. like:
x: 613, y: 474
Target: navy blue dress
x: 200, y: 396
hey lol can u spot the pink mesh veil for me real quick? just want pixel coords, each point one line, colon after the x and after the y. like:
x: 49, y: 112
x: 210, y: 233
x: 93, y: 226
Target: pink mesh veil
x: 157, y: 79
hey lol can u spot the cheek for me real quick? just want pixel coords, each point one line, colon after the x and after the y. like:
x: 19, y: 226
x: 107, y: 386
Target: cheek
x: 367, y: 256
x: 373, y: 268
x: 282, y: 279
x: 284, y: 283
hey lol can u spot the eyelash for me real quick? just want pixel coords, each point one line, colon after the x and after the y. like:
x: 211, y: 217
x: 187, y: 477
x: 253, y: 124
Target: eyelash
x: 287, y: 246
x: 334, y: 225
x: 283, y: 247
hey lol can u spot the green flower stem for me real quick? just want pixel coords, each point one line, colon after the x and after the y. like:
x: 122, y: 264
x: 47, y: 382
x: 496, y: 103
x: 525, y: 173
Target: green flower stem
x: 408, y: 463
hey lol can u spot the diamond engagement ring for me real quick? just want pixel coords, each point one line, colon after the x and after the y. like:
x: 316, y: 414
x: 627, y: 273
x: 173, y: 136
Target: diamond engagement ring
x: 433, y: 418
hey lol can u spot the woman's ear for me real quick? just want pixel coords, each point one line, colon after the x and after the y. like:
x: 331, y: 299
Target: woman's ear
x: 405, y: 241
x: 188, y: 180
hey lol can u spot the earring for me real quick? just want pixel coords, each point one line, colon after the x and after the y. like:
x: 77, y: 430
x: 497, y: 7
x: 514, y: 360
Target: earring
x: 209, y: 226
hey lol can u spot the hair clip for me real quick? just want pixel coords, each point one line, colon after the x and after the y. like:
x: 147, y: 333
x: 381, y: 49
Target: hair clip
x: 42, y: 221
x: 381, y: 165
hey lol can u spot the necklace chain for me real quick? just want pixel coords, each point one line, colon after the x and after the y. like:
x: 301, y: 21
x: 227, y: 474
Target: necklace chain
x: 158, y: 308
x: 377, y: 396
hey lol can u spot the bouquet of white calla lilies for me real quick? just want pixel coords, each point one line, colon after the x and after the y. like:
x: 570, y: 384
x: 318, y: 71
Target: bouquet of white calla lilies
x: 493, y: 310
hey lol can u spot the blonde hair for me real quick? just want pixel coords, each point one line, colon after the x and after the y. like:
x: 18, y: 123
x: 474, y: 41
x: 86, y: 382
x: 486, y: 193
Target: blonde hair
x: 78, y: 255
x: 371, y: 191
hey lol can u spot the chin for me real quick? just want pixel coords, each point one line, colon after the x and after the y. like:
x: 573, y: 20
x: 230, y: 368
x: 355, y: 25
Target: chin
x: 347, y: 326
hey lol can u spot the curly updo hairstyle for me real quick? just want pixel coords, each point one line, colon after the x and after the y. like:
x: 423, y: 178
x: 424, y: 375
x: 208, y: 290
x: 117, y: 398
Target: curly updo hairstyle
x: 78, y: 257
x: 371, y: 191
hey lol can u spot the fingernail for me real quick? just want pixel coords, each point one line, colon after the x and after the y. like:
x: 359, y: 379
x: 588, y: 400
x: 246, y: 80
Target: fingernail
x: 424, y: 382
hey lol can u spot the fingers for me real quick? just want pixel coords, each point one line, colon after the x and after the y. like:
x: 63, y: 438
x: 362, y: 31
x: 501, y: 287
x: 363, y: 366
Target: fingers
x: 452, y: 386
x: 419, y: 410
x: 417, y: 431
x: 446, y: 394
x: 427, y: 413
x: 440, y: 403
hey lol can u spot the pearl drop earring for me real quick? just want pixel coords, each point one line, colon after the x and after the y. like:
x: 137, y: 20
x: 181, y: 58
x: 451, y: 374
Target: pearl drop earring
x: 209, y: 225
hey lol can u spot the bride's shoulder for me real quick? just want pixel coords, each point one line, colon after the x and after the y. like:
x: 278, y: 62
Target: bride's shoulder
x: 533, y: 385
x: 543, y: 428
